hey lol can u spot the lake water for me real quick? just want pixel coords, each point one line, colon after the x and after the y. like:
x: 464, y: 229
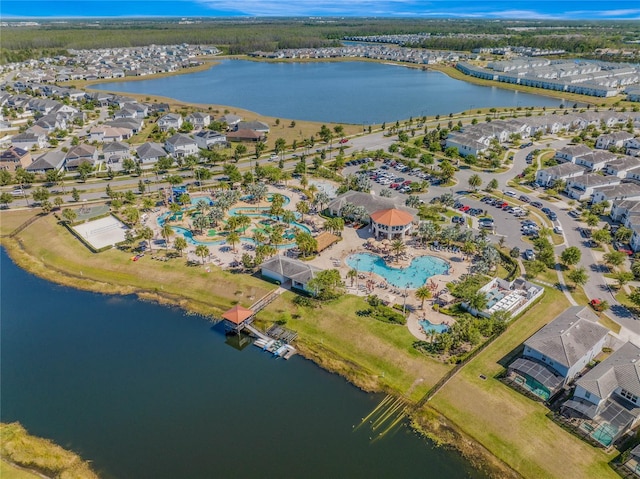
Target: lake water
x: 145, y: 391
x: 345, y: 92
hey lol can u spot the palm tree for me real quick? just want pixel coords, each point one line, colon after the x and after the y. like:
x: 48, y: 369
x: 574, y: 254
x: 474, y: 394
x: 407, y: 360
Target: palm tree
x: 352, y: 274
x: 288, y: 216
x: 423, y: 293
x: 475, y: 181
x: 306, y: 243
x: 259, y: 237
x: 166, y: 232
x: 202, y: 251
x: 477, y: 301
x: 276, y: 238
x: 303, y: 208
x: 398, y: 247
x: 146, y: 233
x: 468, y: 248
x: 233, y: 239
x: 180, y: 244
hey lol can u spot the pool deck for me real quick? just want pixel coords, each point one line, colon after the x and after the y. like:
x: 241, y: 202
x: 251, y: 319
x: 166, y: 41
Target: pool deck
x: 353, y: 241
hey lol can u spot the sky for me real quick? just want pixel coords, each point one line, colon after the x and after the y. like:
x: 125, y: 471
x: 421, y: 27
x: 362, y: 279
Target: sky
x: 490, y: 9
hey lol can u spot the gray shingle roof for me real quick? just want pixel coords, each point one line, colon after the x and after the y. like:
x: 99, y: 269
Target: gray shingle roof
x: 621, y: 369
x: 370, y: 202
x: 569, y: 336
x: 150, y: 150
x: 291, y: 268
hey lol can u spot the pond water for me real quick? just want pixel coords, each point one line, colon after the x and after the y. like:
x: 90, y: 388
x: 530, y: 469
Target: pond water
x: 143, y: 390
x: 347, y: 92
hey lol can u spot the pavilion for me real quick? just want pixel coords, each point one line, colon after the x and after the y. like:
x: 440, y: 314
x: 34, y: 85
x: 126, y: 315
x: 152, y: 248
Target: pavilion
x: 391, y: 223
x: 237, y: 317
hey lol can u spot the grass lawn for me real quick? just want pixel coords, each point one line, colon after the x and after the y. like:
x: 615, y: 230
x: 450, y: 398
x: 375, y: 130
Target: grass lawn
x: 370, y: 353
x: 67, y: 261
x: 8, y: 471
x: 11, y: 219
x: 19, y: 447
x: 511, y: 426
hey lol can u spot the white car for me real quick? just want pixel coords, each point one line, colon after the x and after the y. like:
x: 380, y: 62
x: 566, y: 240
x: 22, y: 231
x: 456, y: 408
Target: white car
x: 274, y: 158
x: 557, y: 230
x: 17, y: 192
x: 512, y: 194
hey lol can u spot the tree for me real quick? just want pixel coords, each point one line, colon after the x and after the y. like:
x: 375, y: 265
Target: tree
x: 84, y: 170
x: 146, y: 234
x: 571, y: 256
x: 306, y: 243
x: 166, y: 232
x: 578, y: 276
x: 592, y: 220
x: 614, y: 258
x: 534, y: 268
x: 352, y: 274
x: 398, y: 247
x: 326, y: 284
x: 46, y: 206
x: 303, y: 208
x: 423, y: 293
x: 623, y: 234
x: 58, y: 202
x: 601, y: 236
x: 202, y: 251
x: 75, y: 194
x: 492, y: 185
x: 288, y: 216
x: 5, y: 177
x: 180, y: 244
x: 477, y: 301
x: 128, y: 165
x: 40, y: 194
x: 475, y: 181
x: 233, y: 239
x: 634, y: 297
x: 69, y: 215
x: 623, y: 277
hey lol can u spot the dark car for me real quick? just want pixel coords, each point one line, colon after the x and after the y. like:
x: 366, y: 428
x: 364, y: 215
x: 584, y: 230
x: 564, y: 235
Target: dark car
x: 552, y: 216
x: 524, y: 198
x: 457, y: 219
x: 585, y: 232
x: 536, y: 204
x: 546, y: 210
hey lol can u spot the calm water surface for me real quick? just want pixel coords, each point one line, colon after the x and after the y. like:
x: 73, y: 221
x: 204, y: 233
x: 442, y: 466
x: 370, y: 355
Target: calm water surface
x: 347, y: 92
x: 144, y: 391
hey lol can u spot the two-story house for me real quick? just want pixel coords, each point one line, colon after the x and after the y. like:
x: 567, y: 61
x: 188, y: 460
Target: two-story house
x: 181, y: 145
x: 555, y: 354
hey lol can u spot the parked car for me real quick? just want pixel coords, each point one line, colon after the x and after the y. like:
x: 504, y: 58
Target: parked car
x: 574, y: 214
x: 529, y: 255
x: 512, y: 194
x: 343, y: 141
x: 623, y: 248
x: 546, y: 210
x: 536, y: 204
x: 585, y: 232
x: 457, y: 219
x: 552, y: 216
x: 557, y: 230
x: 524, y: 198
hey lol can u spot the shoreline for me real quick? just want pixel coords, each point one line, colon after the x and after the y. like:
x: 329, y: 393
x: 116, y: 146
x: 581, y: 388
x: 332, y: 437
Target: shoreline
x: 473, y: 451
x: 449, y: 71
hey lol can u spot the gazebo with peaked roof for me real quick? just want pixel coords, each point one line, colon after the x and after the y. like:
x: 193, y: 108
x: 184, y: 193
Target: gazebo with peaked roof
x: 391, y: 223
x: 237, y: 316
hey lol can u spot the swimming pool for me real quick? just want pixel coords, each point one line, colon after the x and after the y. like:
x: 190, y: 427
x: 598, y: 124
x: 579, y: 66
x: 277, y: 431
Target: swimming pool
x: 420, y: 269
x: 428, y: 326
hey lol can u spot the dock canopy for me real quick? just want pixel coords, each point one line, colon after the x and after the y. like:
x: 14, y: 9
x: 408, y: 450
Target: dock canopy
x: 238, y: 314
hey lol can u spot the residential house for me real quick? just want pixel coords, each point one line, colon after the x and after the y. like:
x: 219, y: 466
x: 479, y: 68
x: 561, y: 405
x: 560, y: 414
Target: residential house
x: 625, y: 212
x: 627, y: 190
x: 466, y: 144
x: 14, y: 158
x: 79, y: 154
x: 258, y: 126
x: 582, y: 187
x: 115, y: 152
x: 29, y: 140
x: 571, y: 152
x: 621, y: 165
x: 134, y: 125
x: 199, y: 120
x: 246, y: 135
x: 616, y: 139
x: 632, y: 147
x: 208, y: 139
x: 563, y: 171
x: 51, y: 160
x: 181, y: 145
x: 595, y: 160
x: 169, y: 121
x: 289, y: 271
x: 606, y: 398
x: 150, y: 152
x: 556, y: 353
x: 231, y: 120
